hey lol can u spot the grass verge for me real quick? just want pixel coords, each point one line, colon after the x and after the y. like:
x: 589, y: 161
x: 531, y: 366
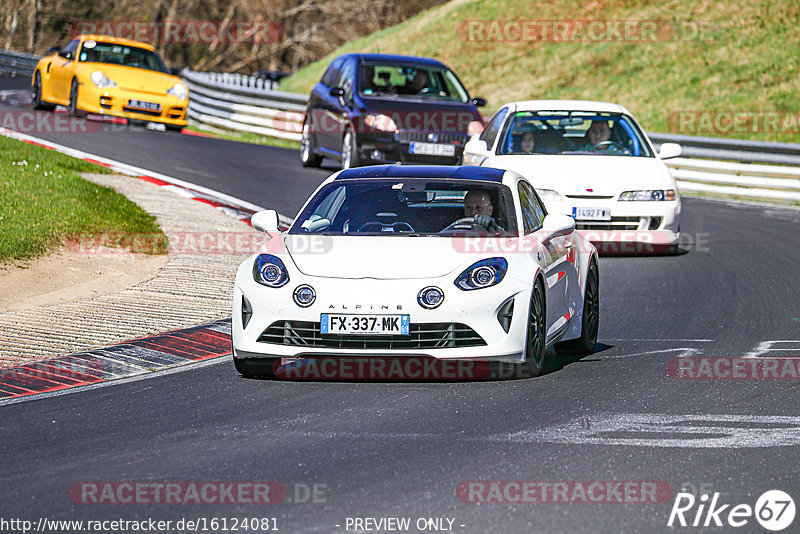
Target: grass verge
x: 246, y: 137
x: 736, y: 56
x: 44, y: 202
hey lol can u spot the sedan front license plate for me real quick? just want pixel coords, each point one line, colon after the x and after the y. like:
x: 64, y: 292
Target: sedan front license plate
x: 384, y: 325
x: 431, y: 149
x: 141, y: 104
x: 591, y: 214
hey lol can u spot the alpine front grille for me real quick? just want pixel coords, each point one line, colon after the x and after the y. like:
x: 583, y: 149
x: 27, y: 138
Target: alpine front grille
x: 421, y: 336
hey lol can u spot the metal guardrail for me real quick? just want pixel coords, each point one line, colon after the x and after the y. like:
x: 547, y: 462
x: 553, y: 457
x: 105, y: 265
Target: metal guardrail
x: 251, y: 104
x: 17, y: 64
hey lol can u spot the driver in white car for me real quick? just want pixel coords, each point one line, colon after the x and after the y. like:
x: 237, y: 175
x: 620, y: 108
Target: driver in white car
x: 478, y: 204
x: 599, y: 135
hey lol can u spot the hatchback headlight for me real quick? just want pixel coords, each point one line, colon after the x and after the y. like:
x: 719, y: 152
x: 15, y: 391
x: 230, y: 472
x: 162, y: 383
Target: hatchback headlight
x: 649, y: 194
x: 101, y: 80
x: 481, y: 274
x: 179, y: 90
x: 269, y: 270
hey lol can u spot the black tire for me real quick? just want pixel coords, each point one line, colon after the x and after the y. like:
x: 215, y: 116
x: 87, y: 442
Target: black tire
x: 174, y: 127
x: 72, y: 106
x: 307, y: 156
x: 255, y: 367
x: 591, y: 318
x: 535, y: 350
x: 36, y: 94
x: 349, y: 149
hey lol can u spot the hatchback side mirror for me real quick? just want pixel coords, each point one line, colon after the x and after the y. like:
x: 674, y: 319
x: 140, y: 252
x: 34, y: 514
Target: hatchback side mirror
x: 478, y: 102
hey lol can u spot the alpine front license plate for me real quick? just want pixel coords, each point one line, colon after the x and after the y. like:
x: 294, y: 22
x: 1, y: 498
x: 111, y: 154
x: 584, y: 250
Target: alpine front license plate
x: 141, y: 104
x: 385, y: 325
x: 432, y: 149
x: 591, y: 214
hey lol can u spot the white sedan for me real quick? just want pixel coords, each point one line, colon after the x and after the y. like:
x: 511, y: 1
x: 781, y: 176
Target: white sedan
x: 434, y: 262
x: 589, y: 160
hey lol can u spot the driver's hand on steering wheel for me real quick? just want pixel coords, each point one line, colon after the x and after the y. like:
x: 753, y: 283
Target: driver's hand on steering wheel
x: 484, y: 220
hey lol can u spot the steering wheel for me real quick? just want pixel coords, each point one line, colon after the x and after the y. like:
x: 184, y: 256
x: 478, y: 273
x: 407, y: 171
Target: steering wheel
x: 396, y: 227
x: 603, y: 144
x: 472, y: 222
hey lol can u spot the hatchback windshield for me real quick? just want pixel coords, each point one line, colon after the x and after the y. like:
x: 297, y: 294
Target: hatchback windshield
x: 401, y: 206
x: 416, y: 81
x: 117, y: 54
x: 573, y: 132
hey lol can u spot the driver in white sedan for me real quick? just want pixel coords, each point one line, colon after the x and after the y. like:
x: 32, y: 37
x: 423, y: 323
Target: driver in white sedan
x: 478, y: 204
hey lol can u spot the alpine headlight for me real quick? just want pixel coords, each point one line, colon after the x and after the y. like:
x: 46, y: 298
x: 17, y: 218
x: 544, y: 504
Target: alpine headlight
x: 269, y: 270
x: 481, y: 274
x: 649, y: 194
x: 380, y: 122
x: 179, y: 90
x: 549, y: 195
x: 101, y: 80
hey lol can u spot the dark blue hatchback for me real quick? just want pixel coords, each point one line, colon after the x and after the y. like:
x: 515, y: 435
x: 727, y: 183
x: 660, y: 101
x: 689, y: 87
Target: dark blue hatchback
x: 375, y: 108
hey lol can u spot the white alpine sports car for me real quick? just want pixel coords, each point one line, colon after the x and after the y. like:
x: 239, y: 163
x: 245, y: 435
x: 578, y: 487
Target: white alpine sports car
x: 589, y: 160
x: 429, y: 262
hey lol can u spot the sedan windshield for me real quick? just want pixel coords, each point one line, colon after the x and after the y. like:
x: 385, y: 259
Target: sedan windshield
x: 573, y: 132
x: 416, y: 81
x: 117, y: 54
x: 406, y: 207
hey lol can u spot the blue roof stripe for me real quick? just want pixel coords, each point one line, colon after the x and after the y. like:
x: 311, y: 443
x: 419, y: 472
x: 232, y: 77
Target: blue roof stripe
x: 465, y: 172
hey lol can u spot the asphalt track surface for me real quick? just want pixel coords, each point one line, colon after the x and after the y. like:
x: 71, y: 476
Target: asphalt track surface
x: 387, y: 449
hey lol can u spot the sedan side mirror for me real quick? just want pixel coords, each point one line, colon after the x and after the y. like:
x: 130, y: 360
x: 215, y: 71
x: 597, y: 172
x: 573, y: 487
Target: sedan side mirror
x: 478, y: 102
x: 65, y: 54
x: 556, y: 224
x: 265, y: 221
x: 670, y: 150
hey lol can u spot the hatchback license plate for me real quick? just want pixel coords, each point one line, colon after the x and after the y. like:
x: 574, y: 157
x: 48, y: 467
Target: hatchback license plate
x: 387, y: 325
x: 431, y: 149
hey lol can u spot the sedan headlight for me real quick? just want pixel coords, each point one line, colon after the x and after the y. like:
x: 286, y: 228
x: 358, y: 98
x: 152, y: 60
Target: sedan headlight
x: 481, y: 274
x: 549, y: 195
x: 179, y: 90
x: 380, y: 122
x: 649, y: 194
x: 269, y: 270
x: 101, y: 80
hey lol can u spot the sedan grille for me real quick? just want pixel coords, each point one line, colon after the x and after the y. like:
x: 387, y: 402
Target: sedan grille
x: 421, y: 336
x: 616, y: 223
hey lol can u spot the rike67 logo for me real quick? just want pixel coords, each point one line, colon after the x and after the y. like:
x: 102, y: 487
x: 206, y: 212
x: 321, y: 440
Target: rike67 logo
x: 774, y: 510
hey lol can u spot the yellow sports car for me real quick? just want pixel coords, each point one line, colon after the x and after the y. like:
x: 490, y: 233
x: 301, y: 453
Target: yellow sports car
x: 111, y: 76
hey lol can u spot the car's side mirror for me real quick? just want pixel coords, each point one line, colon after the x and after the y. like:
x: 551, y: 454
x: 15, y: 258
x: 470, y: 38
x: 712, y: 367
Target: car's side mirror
x: 478, y: 102
x: 556, y: 224
x: 65, y: 54
x: 670, y: 150
x: 336, y: 92
x: 55, y: 49
x: 265, y: 221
